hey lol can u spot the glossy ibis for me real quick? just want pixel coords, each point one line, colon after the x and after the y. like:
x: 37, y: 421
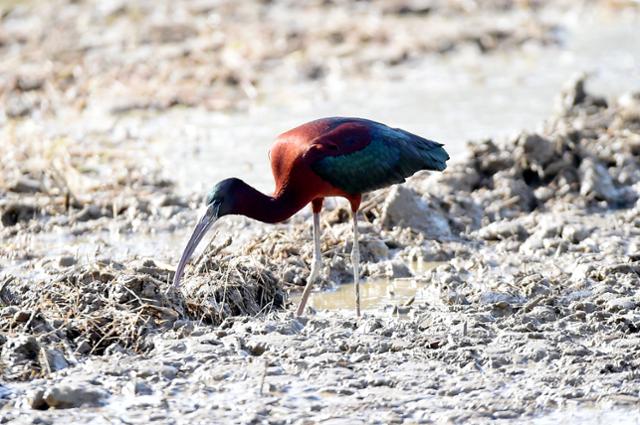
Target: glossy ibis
x: 328, y: 157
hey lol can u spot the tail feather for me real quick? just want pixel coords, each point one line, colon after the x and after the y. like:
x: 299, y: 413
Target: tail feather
x: 435, y: 157
x: 423, y: 154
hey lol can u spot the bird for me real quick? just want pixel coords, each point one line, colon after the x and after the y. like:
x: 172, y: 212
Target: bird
x: 328, y: 157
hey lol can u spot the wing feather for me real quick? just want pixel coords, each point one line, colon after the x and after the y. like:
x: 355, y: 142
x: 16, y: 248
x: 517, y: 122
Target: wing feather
x: 391, y: 156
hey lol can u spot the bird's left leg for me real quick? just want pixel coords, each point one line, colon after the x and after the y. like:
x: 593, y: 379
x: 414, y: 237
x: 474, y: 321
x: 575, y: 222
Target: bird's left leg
x: 355, y: 260
x: 317, y: 257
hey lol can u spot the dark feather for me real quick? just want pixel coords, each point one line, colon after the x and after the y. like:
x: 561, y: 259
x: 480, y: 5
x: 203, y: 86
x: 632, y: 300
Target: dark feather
x: 391, y: 155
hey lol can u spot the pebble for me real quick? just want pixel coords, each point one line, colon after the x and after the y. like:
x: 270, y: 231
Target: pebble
x: 501, y: 230
x: 168, y: 372
x: 35, y: 399
x: 21, y: 316
x: 19, y: 349
x: 55, y: 360
x: 25, y: 185
x: 67, y: 261
x: 598, y: 183
x: 376, y: 249
x: 574, y: 234
x: 622, y: 303
x: 74, y: 395
x: 137, y: 387
x: 12, y: 214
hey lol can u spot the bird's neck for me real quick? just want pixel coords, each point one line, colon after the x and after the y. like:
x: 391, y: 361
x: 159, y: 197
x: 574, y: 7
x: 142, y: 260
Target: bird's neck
x: 269, y: 209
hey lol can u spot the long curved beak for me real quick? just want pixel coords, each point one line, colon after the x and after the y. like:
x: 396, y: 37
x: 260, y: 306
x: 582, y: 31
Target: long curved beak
x: 210, y: 216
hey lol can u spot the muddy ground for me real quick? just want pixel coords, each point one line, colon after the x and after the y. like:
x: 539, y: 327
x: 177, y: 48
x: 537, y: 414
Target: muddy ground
x: 532, y: 309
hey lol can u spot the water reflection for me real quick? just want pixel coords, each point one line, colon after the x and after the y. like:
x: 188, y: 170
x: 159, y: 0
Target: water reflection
x: 376, y: 293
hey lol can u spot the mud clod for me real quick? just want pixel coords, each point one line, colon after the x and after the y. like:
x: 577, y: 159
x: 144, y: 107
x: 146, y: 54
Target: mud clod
x: 405, y: 208
x: 72, y: 396
x: 16, y: 213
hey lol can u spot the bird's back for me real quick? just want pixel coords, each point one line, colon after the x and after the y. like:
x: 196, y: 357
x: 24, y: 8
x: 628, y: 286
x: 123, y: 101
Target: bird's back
x: 356, y: 155
x: 291, y: 146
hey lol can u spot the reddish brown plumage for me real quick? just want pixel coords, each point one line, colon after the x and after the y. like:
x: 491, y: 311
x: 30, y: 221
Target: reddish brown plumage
x: 294, y: 152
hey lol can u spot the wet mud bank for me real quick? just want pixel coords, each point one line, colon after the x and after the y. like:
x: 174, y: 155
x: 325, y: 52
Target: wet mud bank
x: 535, y: 308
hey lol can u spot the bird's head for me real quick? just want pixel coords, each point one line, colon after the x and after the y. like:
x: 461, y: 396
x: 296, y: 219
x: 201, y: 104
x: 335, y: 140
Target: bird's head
x: 220, y: 201
x: 222, y: 196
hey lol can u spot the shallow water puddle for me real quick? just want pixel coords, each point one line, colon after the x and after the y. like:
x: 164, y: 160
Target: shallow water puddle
x: 376, y: 293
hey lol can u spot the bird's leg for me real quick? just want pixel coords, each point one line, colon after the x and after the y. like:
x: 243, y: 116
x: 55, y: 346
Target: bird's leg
x: 355, y: 260
x: 315, y: 267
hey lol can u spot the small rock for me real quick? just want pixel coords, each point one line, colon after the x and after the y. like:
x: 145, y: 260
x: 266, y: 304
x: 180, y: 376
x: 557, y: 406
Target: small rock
x: 536, y: 151
x: 402, y: 310
x: 397, y: 269
x: 622, y: 303
x: 9, y: 311
x: 380, y: 381
x: 256, y: 348
x: 582, y: 272
x: 84, y: 347
x: 21, y: 316
x: 359, y: 357
x: 29, y: 82
x: 70, y: 396
x: 543, y: 314
x: 535, y: 284
x: 138, y: 387
x: 370, y: 325
x: 573, y: 93
x: 501, y: 230
x: 290, y: 327
x: 499, y: 298
x: 13, y: 214
x: 25, y: 185
x: 168, y: 200
x: 543, y: 193
x: 574, y: 234
x: 90, y: 212
x: 374, y: 250
x: 512, y: 188
x: 587, y: 307
x: 19, y: 349
x: 451, y: 298
x: 35, y: 399
x: 169, y: 372
x: 404, y: 207
x: 597, y: 183
x: 400, y: 345
x: 55, y: 360
x: 67, y: 261
x: 18, y: 107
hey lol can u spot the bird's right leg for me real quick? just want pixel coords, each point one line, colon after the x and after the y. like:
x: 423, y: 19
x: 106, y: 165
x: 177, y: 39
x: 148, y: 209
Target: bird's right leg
x: 317, y: 259
x: 355, y: 261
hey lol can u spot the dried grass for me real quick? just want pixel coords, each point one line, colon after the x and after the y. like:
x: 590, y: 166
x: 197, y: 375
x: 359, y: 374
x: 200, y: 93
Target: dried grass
x: 109, y: 307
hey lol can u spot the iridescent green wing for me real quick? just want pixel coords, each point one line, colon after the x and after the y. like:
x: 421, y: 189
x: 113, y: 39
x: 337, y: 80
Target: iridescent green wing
x: 390, y: 156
